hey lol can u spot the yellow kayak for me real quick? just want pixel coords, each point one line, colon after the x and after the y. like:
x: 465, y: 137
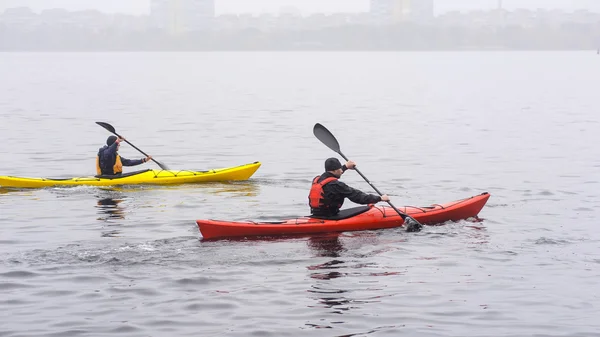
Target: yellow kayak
x: 145, y: 177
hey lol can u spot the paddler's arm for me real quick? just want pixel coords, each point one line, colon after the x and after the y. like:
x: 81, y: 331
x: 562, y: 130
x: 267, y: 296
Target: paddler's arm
x: 112, y: 149
x: 348, y: 166
x: 134, y: 162
x: 355, y: 195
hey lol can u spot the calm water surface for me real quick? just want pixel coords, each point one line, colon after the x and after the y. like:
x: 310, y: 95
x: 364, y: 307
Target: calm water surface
x: 423, y: 127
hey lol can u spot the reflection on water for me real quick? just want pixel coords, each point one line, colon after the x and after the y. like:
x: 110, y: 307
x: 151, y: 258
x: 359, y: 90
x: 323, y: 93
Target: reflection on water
x: 331, y: 289
x: 7, y: 190
x: 327, y: 294
x: 246, y: 188
x: 326, y: 245
x: 238, y: 188
x: 110, y: 208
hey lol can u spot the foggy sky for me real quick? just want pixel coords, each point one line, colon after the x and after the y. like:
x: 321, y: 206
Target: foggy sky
x: 305, y: 6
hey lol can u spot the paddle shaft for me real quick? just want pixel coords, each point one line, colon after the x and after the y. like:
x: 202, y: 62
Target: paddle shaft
x: 144, y: 153
x: 133, y: 146
x: 111, y: 129
x: 402, y: 215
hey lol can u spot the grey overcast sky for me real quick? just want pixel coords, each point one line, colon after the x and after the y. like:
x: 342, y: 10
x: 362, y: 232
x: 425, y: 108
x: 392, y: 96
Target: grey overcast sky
x: 304, y: 6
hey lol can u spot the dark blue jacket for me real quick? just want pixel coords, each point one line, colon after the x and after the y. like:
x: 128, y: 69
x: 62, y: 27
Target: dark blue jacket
x: 107, y: 157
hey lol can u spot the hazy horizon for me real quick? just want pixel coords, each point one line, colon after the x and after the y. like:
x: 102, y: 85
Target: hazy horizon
x: 303, y: 6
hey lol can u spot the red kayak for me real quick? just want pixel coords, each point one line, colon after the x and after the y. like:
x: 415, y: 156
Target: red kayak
x: 351, y: 219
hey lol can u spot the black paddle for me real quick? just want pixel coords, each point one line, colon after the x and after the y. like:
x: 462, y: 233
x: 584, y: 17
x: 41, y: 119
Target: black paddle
x: 329, y: 140
x: 111, y: 129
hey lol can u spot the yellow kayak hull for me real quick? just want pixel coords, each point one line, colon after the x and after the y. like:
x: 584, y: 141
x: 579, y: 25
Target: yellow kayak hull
x: 146, y: 177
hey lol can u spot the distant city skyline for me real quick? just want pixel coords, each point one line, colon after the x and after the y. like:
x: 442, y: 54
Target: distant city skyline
x: 305, y: 7
x: 190, y: 25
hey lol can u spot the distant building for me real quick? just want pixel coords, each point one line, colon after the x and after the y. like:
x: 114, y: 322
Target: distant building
x: 20, y: 17
x: 180, y: 16
x: 395, y: 11
x: 9, y: 4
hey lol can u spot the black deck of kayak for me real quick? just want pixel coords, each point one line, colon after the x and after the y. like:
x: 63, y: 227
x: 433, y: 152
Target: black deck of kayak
x: 344, y: 213
x: 105, y: 176
x: 123, y: 175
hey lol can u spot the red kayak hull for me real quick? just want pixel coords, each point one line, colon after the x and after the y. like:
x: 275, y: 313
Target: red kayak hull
x: 377, y: 217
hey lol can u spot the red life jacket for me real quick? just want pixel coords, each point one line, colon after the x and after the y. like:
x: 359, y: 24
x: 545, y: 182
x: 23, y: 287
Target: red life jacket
x: 316, y: 197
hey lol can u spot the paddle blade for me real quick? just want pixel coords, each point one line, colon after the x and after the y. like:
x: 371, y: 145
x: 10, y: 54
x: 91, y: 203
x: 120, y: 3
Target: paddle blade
x: 107, y: 127
x: 162, y: 166
x: 412, y: 225
x: 326, y: 137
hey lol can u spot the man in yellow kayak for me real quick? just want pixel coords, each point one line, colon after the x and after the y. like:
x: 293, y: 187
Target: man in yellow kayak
x: 327, y: 193
x: 109, y: 162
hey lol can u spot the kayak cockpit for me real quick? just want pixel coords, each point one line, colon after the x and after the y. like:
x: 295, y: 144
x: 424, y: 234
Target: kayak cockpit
x: 344, y: 213
x: 123, y: 175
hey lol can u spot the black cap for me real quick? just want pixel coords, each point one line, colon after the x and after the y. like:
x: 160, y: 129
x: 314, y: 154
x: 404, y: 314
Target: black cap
x: 332, y: 164
x: 111, y: 140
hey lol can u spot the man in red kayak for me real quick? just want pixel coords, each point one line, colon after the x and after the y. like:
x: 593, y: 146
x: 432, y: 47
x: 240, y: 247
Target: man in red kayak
x: 327, y: 193
x: 109, y: 162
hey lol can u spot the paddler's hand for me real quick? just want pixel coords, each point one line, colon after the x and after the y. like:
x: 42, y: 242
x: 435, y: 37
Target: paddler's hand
x: 120, y: 139
x: 147, y: 159
x: 350, y: 165
x: 385, y: 197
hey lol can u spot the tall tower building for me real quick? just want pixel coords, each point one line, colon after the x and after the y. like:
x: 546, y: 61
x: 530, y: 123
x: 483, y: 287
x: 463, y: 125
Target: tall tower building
x: 394, y: 11
x: 421, y: 10
x: 180, y: 16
